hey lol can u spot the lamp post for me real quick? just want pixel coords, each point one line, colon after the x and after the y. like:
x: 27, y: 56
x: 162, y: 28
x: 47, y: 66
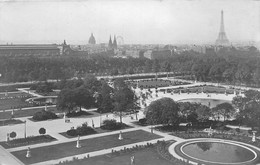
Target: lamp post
x: 25, y: 128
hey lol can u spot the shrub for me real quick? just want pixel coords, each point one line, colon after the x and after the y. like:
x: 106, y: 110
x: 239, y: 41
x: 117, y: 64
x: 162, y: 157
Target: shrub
x: 42, y: 131
x: 143, y: 121
x: 78, y: 113
x: 85, y: 130
x: 82, y: 130
x: 72, y: 132
x: 12, y: 134
x: 44, y: 115
x: 112, y: 125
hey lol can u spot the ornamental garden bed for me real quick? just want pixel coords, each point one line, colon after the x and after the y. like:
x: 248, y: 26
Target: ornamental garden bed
x: 62, y: 150
x: 10, y: 122
x: 27, y: 141
x: 75, y: 114
x: 85, y: 130
x: 25, y: 112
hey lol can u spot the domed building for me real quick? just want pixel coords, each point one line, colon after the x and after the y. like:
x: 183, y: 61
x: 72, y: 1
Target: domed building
x: 92, y: 40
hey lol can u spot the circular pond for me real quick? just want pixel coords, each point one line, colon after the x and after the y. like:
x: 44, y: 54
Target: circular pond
x: 206, y: 101
x: 217, y: 152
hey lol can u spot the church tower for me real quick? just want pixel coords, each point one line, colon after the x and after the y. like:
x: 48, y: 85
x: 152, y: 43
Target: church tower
x: 114, y: 43
x: 110, y: 44
x: 222, y: 38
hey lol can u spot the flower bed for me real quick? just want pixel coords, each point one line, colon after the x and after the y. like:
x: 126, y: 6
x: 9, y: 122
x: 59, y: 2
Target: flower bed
x: 113, y: 125
x: 229, y: 136
x: 10, y: 121
x: 28, y: 141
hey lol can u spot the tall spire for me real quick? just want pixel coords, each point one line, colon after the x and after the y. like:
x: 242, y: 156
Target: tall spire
x: 114, y: 42
x: 222, y: 38
x: 110, y: 44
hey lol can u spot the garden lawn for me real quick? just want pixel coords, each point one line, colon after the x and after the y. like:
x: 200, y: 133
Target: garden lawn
x: 16, y: 94
x: 148, y: 156
x: 10, y: 122
x: 27, y: 141
x: 14, y: 102
x: 88, y: 145
x: 24, y: 113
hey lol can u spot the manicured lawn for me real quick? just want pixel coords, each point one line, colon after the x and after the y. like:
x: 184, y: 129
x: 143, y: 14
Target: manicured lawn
x: 16, y: 94
x: 88, y: 145
x: 10, y: 122
x: 148, y: 156
x: 27, y: 141
x: 25, y: 113
x: 14, y: 103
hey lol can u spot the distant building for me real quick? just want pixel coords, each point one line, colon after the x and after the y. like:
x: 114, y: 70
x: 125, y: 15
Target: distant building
x: 112, y: 45
x: 29, y: 50
x: 92, y: 40
x: 161, y: 54
x: 210, y: 51
x: 148, y: 54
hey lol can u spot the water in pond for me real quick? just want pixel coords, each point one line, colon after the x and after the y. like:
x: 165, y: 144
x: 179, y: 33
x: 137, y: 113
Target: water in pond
x: 218, y: 152
x: 208, y: 102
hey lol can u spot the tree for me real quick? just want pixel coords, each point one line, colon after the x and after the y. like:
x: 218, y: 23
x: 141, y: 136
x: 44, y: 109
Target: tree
x: 256, y: 76
x: 104, y: 101
x: 92, y: 83
x: 42, y: 131
x: 123, y: 97
x: 167, y: 67
x: 163, y: 111
x: 82, y: 97
x: 188, y: 111
x: 156, y: 66
x: 65, y: 100
x: 203, y: 112
x: 248, y: 107
x: 224, y: 110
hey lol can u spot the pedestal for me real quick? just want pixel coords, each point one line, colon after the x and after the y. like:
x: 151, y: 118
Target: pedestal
x: 7, y: 137
x: 133, y: 160
x: 120, y: 136
x: 253, y: 137
x: 28, y: 153
x: 78, y: 144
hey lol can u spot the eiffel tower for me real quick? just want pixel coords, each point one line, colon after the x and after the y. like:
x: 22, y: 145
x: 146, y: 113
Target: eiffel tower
x: 222, y: 38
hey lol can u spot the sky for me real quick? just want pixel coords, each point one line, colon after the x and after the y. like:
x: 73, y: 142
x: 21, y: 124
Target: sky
x: 137, y: 21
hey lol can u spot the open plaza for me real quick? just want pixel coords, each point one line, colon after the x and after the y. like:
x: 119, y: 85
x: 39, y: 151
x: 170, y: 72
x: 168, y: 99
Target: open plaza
x: 134, y: 144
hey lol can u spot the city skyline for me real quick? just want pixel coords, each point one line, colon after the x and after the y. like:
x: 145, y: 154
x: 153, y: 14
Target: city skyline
x: 139, y: 22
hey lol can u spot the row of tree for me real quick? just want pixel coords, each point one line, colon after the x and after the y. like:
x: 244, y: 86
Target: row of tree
x: 90, y: 92
x: 243, y: 109
x: 227, y: 65
x: 167, y: 111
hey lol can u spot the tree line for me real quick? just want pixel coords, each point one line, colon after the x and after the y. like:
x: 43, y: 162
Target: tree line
x: 242, y: 111
x: 231, y: 65
x: 89, y: 92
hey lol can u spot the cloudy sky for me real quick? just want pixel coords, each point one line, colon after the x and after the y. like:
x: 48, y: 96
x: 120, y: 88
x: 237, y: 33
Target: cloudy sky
x: 137, y: 21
